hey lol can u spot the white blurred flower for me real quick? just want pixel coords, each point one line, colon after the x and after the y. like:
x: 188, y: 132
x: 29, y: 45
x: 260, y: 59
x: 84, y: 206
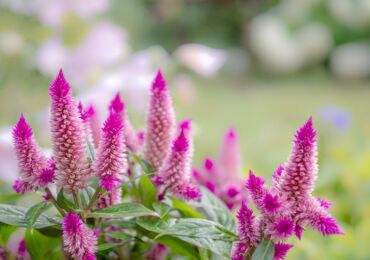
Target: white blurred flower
x: 296, y: 10
x: 52, y: 12
x: 354, y: 14
x: 273, y: 46
x: 351, y: 61
x: 105, y: 45
x: 315, y: 42
x: 8, y: 161
x: 11, y: 43
x: 201, y: 59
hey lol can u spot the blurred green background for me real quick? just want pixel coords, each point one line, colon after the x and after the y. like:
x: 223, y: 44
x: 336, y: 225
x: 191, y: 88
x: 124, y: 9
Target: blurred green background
x: 262, y: 67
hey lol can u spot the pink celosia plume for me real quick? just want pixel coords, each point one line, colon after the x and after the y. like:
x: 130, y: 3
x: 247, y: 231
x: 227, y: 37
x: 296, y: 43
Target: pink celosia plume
x: 31, y: 160
x: 85, y: 116
x: 111, y: 160
x: 281, y: 249
x: 230, y: 157
x: 110, y: 198
x: 69, y: 146
x: 239, y: 250
x: 157, y: 252
x: 160, y: 123
x: 175, y: 172
x: 131, y: 137
x: 248, y: 226
x: 78, y: 240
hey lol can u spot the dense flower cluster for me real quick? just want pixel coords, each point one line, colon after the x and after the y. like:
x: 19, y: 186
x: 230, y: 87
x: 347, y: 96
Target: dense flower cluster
x: 288, y: 205
x: 224, y: 176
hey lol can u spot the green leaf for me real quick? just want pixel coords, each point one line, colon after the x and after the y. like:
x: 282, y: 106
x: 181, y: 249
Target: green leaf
x: 124, y: 210
x: 90, y: 151
x: 5, y: 233
x: 264, y: 251
x: 185, y: 210
x: 63, y: 202
x: 199, y: 232
x: 35, y: 211
x: 148, y: 193
x: 116, y: 235
x: 9, y: 197
x: 146, y: 166
x: 161, y: 208
x: 178, y: 246
x: 216, y: 210
x: 15, y: 216
x: 106, y: 246
x: 42, y: 247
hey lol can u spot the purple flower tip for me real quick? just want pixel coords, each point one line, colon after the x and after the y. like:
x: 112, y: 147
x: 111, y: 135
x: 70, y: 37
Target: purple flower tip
x: 21, y: 187
x: 298, y: 231
x: 254, y: 181
x: 157, y: 180
x: 211, y: 186
x: 22, y: 130
x: 109, y: 182
x: 46, y: 176
x: 209, y: 164
x: 71, y: 223
x: 181, y: 143
x: 59, y: 87
x: 281, y: 249
x: 22, y: 249
x: 232, y: 191
x: 271, y: 203
x: 306, y: 134
x: 113, y: 124
x: 324, y: 203
x: 231, y: 134
x: 196, y: 174
x: 185, y: 124
x: 328, y: 226
x: 85, y: 114
x: 278, y: 172
x: 239, y: 250
x: 284, y: 228
x: 117, y: 104
x: 192, y: 193
x: 159, y: 83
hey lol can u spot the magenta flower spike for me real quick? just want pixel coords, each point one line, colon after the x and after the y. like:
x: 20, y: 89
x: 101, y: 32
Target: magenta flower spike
x: 67, y: 130
x: 131, y: 137
x: 239, y: 250
x: 111, y: 158
x: 31, y: 160
x: 160, y: 123
x: 230, y: 158
x: 85, y: 116
x: 111, y: 198
x: 301, y: 169
x: 176, y: 170
x: 157, y: 252
x: 248, y: 226
x: 78, y: 240
x: 257, y: 189
x: 281, y: 250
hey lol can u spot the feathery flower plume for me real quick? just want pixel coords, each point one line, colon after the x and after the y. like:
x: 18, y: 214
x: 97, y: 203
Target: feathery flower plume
x: 131, y: 137
x: 248, y: 226
x: 176, y: 169
x: 111, y: 198
x: 30, y: 157
x: 78, y: 241
x: 257, y: 189
x: 239, y: 250
x: 85, y: 116
x: 281, y: 250
x: 230, y: 158
x: 160, y: 123
x: 111, y: 158
x: 301, y: 169
x: 69, y: 146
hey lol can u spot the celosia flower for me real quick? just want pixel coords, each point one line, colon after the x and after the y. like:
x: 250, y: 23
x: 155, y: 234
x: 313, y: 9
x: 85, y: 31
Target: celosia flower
x: 281, y: 250
x: 131, y: 137
x: 158, y: 252
x: 85, y: 116
x: 239, y: 250
x: 111, y: 158
x: 22, y: 252
x: 160, y: 123
x: 69, y: 146
x: 289, y: 205
x: 78, y: 240
x: 176, y: 169
x: 30, y: 157
x: 248, y: 226
x: 110, y: 198
x: 230, y: 158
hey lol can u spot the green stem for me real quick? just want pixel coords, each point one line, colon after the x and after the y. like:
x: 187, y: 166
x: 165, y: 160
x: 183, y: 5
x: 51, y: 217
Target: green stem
x: 55, y: 203
x: 76, y: 199
x: 94, y: 198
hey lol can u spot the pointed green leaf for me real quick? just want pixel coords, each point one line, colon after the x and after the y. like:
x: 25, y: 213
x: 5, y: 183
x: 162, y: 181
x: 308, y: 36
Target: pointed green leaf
x: 35, y: 211
x: 185, y: 210
x: 264, y: 251
x: 124, y: 210
x: 161, y: 208
x: 148, y: 193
